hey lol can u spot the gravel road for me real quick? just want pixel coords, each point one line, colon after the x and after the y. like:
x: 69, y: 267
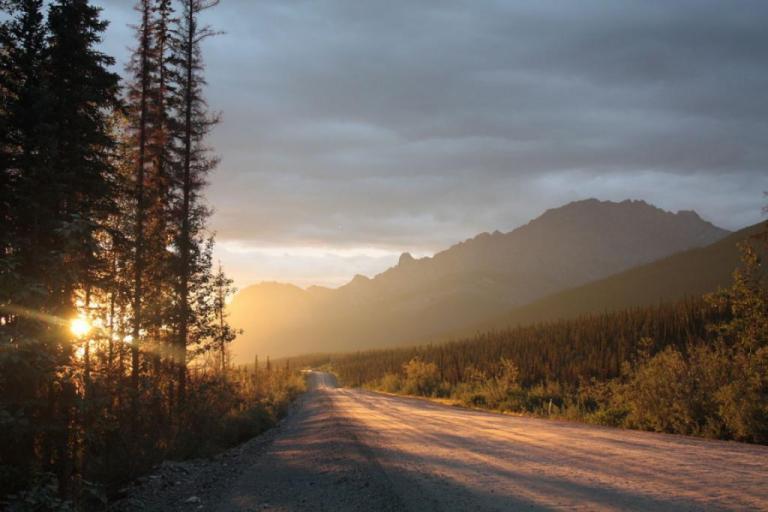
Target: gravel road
x: 350, y: 450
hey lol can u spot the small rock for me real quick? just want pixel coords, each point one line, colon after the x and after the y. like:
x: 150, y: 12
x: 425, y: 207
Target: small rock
x: 193, y: 499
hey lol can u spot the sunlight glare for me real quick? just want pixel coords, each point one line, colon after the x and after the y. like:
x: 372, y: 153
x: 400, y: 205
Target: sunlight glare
x: 79, y: 327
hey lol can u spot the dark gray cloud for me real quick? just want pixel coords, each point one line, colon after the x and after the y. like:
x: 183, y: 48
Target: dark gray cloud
x: 413, y: 124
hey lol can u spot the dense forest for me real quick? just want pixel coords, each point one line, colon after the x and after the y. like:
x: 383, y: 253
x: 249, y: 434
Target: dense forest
x: 699, y: 366
x: 113, y: 331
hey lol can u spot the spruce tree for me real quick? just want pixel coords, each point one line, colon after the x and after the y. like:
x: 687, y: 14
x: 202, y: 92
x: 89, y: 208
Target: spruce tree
x: 22, y: 124
x: 27, y: 356
x: 83, y: 92
x: 138, y: 97
x: 150, y: 129
x: 194, y: 162
x: 159, y: 234
x: 25, y: 152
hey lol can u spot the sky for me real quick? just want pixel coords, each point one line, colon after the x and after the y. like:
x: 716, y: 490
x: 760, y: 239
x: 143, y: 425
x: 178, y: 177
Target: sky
x: 353, y: 131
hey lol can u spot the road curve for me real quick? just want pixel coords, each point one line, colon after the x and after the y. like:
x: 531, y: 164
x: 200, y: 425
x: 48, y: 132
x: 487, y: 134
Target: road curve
x: 346, y: 449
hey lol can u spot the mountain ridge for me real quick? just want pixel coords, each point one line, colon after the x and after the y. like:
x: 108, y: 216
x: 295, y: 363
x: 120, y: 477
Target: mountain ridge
x: 471, y: 280
x: 689, y: 273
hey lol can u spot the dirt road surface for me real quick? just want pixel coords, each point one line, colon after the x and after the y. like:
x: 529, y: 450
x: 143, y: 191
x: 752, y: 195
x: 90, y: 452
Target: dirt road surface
x: 350, y: 450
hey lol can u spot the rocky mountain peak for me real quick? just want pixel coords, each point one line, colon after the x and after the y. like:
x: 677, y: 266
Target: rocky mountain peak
x: 405, y: 259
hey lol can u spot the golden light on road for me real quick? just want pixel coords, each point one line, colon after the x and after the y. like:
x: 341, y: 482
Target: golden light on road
x: 79, y: 327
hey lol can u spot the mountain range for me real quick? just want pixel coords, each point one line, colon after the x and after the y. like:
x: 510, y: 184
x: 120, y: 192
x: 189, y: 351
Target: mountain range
x: 490, y: 280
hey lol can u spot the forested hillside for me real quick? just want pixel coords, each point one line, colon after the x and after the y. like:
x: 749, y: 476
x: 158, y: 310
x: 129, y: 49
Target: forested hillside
x: 466, y: 284
x: 689, y: 273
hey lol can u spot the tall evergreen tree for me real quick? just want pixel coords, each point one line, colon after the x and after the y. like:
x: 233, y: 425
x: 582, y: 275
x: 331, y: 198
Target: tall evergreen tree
x: 149, y: 146
x: 159, y: 227
x: 193, y: 164
x: 83, y: 91
x: 22, y: 123
x: 28, y: 361
x: 163, y: 100
x: 24, y: 149
x: 139, y: 93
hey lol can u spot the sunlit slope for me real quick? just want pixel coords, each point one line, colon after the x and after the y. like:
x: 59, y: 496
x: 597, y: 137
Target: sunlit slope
x: 689, y: 273
x: 468, y: 283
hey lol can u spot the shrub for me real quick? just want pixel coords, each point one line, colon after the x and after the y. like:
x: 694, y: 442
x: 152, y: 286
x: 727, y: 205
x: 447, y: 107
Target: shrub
x: 609, y: 416
x: 469, y: 394
x: 498, y: 388
x: 657, y: 393
x: 421, y: 378
x: 390, y: 383
x: 743, y: 400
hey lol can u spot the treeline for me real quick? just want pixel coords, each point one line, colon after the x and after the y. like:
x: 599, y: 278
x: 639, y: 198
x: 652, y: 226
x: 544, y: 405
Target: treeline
x: 566, y: 352
x: 113, y: 335
x: 697, y: 367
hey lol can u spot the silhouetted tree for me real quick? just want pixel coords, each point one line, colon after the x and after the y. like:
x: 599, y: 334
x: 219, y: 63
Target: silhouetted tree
x: 193, y: 164
x: 139, y: 92
x: 28, y: 357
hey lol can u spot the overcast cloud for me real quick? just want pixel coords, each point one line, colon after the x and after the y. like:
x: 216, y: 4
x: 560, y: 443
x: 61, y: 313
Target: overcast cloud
x: 355, y: 130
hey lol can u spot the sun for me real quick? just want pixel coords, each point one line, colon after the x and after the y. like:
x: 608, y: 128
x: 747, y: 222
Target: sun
x: 79, y: 326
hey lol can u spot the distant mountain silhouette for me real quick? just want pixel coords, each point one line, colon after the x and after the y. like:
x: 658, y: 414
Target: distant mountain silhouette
x: 466, y: 284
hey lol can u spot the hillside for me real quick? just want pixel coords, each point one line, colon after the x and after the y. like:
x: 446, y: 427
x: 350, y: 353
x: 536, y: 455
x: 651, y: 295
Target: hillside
x: 686, y: 274
x: 466, y: 284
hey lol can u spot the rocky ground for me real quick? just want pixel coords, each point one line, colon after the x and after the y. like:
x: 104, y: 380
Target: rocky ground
x: 311, y: 461
x: 196, y: 484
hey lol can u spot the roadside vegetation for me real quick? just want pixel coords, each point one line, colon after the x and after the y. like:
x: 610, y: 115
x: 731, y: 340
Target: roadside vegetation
x: 226, y: 410
x: 697, y: 367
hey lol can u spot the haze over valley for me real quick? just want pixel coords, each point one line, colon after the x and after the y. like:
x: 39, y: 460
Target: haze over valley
x: 433, y: 298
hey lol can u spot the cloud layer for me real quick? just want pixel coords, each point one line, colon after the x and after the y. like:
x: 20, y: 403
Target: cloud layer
x: 410, y: 125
